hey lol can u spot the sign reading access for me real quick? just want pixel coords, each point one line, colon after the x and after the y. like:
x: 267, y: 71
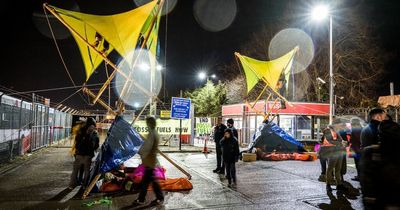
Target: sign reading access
x: 180, y: 108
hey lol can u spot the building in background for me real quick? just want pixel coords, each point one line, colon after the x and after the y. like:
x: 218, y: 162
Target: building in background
x: 302, y: 120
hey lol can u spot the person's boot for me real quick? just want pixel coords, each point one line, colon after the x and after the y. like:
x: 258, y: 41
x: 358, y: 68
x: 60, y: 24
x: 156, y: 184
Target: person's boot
x: 216, y: 170
x: 229, y: 183
x: 322, y: 178
x: 356, y: 178
x: 328, y: 188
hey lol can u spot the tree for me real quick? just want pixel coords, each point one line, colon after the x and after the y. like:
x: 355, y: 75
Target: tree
x: 209, y: 99
x: 358, y: 59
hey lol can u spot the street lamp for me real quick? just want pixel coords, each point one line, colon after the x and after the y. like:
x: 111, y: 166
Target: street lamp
x: 341, y: 98
x: 320, y: 82
x: 202, y: 75
x: 319, y: 13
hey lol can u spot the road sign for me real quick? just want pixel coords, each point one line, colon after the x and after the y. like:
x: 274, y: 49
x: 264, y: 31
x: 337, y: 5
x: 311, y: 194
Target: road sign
x: 180, y: 108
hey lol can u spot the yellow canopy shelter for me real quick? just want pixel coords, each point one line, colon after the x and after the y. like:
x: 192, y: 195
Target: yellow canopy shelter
x: 268, y: 71
x: 107, y: 32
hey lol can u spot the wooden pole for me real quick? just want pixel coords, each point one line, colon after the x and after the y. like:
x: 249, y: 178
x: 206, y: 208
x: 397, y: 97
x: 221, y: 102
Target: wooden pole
x: 90, y: 187
x: 256, y: 110
x: 101, y: 102
x: 140, y: 113
x: 176, y: 165
x: 270, y: 110
x: 259, y: 96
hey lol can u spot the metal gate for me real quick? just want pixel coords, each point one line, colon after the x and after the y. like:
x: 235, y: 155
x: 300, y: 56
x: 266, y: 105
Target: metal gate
x: 40, y: 129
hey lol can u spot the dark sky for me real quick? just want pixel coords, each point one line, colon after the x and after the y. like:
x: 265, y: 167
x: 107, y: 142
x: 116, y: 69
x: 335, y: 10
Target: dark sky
x: 30, y: 60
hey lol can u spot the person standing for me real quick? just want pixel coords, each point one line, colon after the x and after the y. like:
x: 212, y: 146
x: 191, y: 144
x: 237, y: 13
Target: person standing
x: 148, y: 153
x: 230, y: 123
x: 230, y: 153
x: 355, y: 144
x: 369, y: 134
x: 86, y: 143
x: 333, y: 140
x: 371, y: 161
x: 219, y: 130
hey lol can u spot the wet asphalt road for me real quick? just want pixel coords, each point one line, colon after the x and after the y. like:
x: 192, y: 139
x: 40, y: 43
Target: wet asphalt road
x: 41, y: 183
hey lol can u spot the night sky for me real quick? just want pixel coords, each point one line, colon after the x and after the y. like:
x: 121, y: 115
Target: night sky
x: 30, y: 60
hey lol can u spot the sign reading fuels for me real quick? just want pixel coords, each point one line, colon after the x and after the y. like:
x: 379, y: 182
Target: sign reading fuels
x: 180, y: 108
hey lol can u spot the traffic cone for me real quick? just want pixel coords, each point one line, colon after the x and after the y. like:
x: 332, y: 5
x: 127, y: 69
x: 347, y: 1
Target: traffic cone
x: 205, y: 148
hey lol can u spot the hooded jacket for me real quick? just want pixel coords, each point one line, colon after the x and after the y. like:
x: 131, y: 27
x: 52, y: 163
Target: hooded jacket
x: 230, y: 148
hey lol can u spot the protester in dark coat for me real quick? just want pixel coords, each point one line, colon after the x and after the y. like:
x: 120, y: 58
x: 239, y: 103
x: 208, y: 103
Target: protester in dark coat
x: 355, y: 144
x: 86, y: 143
x: 370, y: 162
x: 389, y: 137
x: 219, y: 130
x: 369, y: 134
x: 230, y: 151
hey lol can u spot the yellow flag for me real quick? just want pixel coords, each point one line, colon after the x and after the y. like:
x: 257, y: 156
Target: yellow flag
x: 268, y: 71
x: 120, y: 31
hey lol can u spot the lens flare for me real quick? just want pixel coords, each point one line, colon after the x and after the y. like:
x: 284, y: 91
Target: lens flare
x: 287, y: 39
x: 60, y: 31
x: 215, y: 15
x: 137, y: 68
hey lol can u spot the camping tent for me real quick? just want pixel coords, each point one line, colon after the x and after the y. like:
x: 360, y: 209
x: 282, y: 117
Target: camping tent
x: 270, y: 137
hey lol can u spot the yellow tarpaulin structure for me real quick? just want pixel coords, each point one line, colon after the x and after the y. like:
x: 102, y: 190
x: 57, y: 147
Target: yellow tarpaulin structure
x: 120, y: 31
x: 267, y: 71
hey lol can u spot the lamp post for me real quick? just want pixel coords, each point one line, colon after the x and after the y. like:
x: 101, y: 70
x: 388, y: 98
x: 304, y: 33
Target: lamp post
x: 319, y: 13
x: 341, y: 98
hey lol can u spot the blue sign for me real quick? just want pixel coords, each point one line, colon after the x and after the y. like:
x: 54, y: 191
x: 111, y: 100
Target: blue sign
x: 180, y: 108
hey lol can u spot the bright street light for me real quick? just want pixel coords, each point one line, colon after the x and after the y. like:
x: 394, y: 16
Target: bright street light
x: 320, y: 12
x: 202, y: 75
x: 159, y: 67
x: 213, y: 76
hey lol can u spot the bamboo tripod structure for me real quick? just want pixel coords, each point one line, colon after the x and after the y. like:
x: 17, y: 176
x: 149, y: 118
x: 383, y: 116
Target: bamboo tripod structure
x: 96, y: 97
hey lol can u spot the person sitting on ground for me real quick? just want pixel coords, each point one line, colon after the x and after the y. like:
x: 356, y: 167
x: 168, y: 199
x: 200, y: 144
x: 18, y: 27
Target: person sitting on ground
x: 230, y: 153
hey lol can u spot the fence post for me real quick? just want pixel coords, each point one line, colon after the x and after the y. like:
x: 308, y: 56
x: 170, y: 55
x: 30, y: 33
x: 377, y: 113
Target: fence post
x: 11, y: 148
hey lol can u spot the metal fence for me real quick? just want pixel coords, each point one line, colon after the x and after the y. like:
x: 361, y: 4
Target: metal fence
x: 26, y: 126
